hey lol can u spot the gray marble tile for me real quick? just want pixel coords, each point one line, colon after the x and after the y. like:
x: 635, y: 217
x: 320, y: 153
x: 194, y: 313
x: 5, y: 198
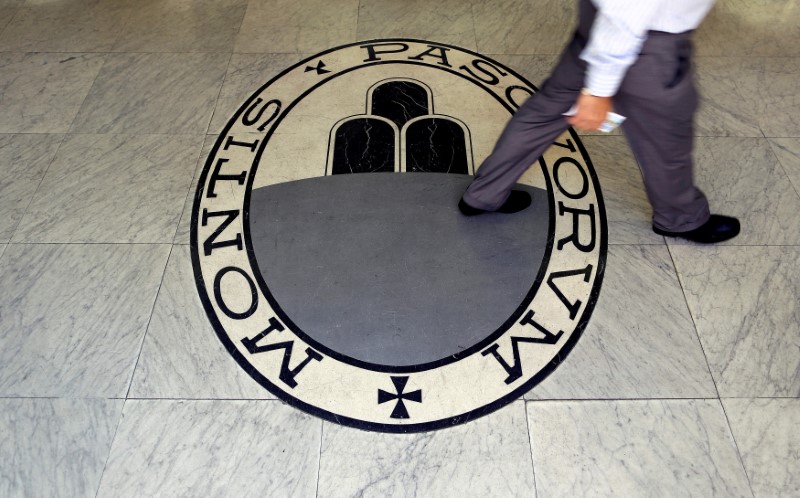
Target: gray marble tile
x: 55, y: 447
x: 748, y: 28
x: 41, y: 93
x: 185, y: 225
x: 182, y: 356
x: 534, y: 68
x: 788, y: 152
x: 523, y: 27
x: 87, y: 197
x: 286, y: 26
x: 153, y: 93
x: 246, y: 74
x: 777, y: 94
x: 445, y: 21
x: 640, y: 341
x: 212, y: 448
x: 742, y: 177
x: 73, y: 316
x: 489, y: 456
x: 2, y: 249
x: 8, y: 8
x: 634, y: 448
x: 769, y: 442
x: 24, y: 159
x: 627, y: 208
x: 744, y: 303
x: 74, y: 26
x: 727, y: 108
x: 182, y: 26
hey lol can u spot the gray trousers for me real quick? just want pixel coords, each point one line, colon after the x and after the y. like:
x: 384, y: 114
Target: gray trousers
x: 658, y: 99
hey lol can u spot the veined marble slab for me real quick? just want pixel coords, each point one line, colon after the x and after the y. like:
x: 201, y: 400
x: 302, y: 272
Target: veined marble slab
x: 522, y: 27
x: 55, y: 447
x: 73, y: 316
x: 744, y: 304
x: 489, y: 456
x: 634, y: 448
x: 112, y: 188
x: 727, y: 107
x: 182, y: 356
x: 769, y: 442
x: 212, y: 448
x: 778, y: 98
x: 184, y: 226
x: 788, y: 152
x: 24, y: 159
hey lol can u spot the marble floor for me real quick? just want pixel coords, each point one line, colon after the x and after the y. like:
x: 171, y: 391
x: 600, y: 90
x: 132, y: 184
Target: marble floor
x: 686, y: 381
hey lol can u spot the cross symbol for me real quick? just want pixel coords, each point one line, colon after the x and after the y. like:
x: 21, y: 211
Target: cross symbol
x: 400, y: 410
x: 320, y: 68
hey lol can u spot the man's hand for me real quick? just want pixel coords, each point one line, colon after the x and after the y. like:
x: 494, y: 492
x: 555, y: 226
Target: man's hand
x: 591, y: 112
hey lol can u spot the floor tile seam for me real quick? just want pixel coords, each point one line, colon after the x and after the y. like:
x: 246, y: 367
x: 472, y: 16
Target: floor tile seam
x: 621, y: 400
x: 474, y: 29
x: 530, y: 447
x: 110, y: 447
x: 783, y: 168
x: 736, y: 445
x: 191, y: 182
x: 219, y: 94
x: 319, y: 459
x: 149, y: 321
x: 88, y: 92
x: 36, y: 191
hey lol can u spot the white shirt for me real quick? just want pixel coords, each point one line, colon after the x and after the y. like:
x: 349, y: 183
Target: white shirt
x: 620, y: 28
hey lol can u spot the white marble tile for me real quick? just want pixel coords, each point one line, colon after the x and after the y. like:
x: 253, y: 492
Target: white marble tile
x: 524, y: 27
x: 634, y: 448
x: 742, y: 177
x: 744, y: 303
x: 534, y: 68
x: 750, y: 27
x: 445, y: 21
x: 777, y: 93
x: 55, y: 447
x: 288, y: 26
x: 24, y: 160
x: 2, y: 249
x: 73, y: 316
x: 788, y: 152
x: 182, y: 356
x: 727, y: 108
x: 182, y: 26
x: 640, y: 341
x: 628, y: 211
x: 8, y: 9
x: 74, y: 26
x: 41, y: 93
x: 489, y: 456
x: 212, y: 448
x: 246, y: 74
x: 113, y: 188
x: 769, y: 442
x: 153, y: 93
x: 182, y: 235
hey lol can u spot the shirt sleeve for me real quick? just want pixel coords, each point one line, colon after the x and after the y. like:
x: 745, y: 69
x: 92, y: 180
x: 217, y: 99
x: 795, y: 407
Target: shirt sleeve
x: 619, y: 30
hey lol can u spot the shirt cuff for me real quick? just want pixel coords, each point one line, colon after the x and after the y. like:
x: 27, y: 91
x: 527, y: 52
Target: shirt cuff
x: 603, y: 83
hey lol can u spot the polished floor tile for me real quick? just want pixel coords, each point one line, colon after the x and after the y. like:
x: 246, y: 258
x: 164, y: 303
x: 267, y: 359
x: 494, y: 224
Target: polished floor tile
x: 534, y: 68
x: 727, y: 108
x: 8, y: 8
x: 744, y: 303
x: 55, y: 447
x: 182, y: 356
x: 182, y: 26
x: 788, y: 152
x: 742, y: 177
x: 778, y: 99
x: 153, y: 93
x: 2, y: 249
x: 640, y: 342
x: 41, y: 93
x: 73, y: 202
x: 634, y: 448
x: 751, y: 28
x: 65, y: 26
x: 24, y: 159
x: 522, y: 26
x: 769, y: 442
x: 182, y: 235
x: 73, y: 316
x: 446, y: 21
x: 627, y: 208
x: 489, y: 456
x: 287, y: 26
x: 212, y: 448
x: 247, y: 73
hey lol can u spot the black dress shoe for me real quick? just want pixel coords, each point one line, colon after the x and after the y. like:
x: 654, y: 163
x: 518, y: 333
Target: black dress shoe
x: 516, y: 202
x: 718, y: 228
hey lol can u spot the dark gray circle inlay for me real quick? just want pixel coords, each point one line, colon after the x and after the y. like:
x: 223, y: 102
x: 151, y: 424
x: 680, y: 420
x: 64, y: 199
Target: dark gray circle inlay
x: 382, y: 267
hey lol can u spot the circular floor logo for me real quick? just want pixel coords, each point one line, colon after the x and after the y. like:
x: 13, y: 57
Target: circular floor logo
x: 333, y: 262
